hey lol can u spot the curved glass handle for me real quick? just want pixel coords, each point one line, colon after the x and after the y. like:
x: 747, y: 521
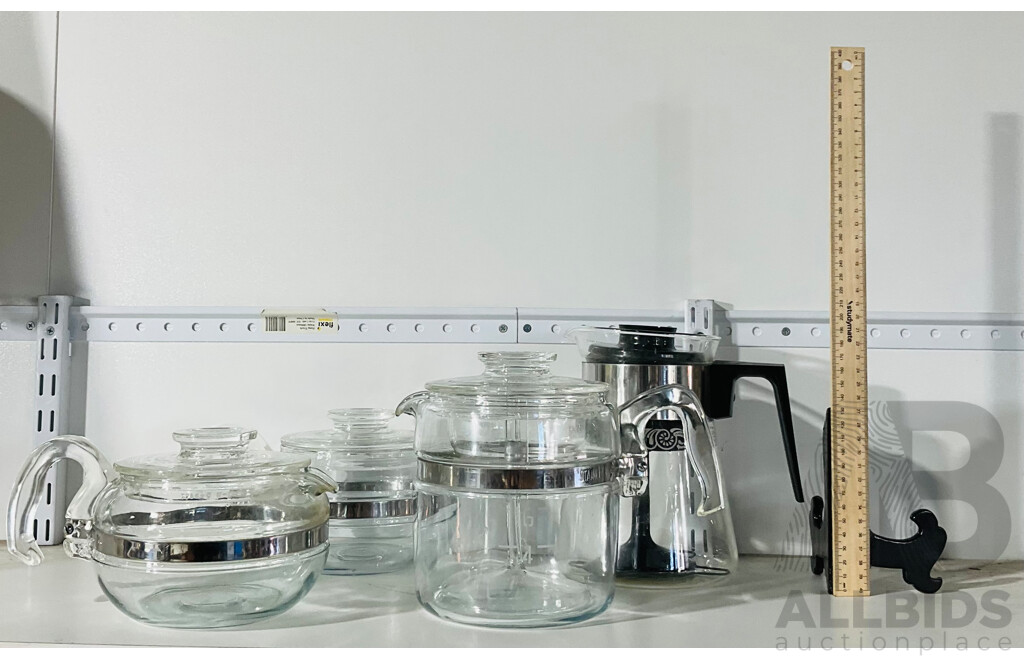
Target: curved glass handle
x: 28, y: 491
x: 684, y: 403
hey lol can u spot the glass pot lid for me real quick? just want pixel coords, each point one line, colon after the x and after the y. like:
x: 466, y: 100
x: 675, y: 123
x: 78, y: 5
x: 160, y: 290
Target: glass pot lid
x: 518, y: 377
x: 215, y: 500
x: 374, y: 464
x: 358, y: 430
x: 211, y: 453
x: 643, y: 344
x: 516, y: 415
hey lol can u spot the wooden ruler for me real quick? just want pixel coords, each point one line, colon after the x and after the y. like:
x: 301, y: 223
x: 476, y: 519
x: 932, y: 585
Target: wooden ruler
x: 851, y: 538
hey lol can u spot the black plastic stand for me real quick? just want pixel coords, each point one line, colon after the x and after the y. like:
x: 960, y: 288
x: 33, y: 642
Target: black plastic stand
x: 916, y: 556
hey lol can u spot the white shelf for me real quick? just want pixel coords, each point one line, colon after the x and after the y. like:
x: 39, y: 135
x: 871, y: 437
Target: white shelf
x: 383, y: 611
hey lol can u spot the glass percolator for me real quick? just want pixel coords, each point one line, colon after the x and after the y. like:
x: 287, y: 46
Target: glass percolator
x: 373, y: 511
x: 518, y: 483
x: 216, y: 535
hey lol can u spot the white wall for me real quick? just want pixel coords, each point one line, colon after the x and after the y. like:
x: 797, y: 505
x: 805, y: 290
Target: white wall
x: 587, y: 160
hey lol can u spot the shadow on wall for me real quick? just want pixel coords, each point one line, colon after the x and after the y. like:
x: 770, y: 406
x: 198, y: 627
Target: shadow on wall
x: 26, y: 173
x: 755, y: 469
x: 898, y: 487
x: 33, y: 231
x: 32, y: 238
x: 26, y: 146
x: 1005, y: 216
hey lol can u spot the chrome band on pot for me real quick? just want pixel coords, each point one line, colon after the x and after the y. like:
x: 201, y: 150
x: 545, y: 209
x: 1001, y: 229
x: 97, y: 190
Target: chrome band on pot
x: 373, y: 509
x: 492, y: 478
x: 199, y: 514
x: 382, y: 485
x: 208, y: 551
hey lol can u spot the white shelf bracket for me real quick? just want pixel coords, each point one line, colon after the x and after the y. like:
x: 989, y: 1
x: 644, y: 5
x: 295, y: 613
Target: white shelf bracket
x: 52, y: 397
x: 548, y: 326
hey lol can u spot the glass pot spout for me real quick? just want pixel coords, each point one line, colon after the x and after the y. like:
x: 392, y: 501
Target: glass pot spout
x: 411, y: 404
x: 314, y: 481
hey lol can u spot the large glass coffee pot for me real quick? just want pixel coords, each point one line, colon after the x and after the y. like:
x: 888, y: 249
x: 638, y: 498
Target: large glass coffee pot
x: 681, y: 525
x: 518, y: 482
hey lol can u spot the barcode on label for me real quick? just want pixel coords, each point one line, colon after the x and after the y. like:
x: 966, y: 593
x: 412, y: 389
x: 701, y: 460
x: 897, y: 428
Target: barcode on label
x: 292, y: 321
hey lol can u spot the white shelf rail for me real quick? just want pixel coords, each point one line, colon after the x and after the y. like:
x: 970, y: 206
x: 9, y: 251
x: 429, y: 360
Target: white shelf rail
x: 520, y: 325
x: 507, y: 325
x: 247, y: 324
x: 886, y: 330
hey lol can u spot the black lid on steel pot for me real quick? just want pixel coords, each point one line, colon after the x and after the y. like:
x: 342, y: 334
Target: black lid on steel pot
x: 649, y: 344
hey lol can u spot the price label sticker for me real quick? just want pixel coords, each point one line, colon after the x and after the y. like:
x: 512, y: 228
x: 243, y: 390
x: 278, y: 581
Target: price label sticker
x: 306, y: 321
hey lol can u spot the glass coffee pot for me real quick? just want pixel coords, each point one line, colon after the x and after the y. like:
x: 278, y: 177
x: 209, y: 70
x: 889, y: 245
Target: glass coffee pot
x: 668, y: 387
x: 218, y: 534
x: 373, y: 511
x: 519, y: 477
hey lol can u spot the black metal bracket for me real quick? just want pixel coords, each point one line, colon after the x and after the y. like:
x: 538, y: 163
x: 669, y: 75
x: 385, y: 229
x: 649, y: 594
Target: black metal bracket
x: 916, y: 556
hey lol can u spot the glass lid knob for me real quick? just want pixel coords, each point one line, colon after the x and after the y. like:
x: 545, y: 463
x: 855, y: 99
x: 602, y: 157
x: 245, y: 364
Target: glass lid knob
x: 513, y: 363
x: 214, y: 439
x: 361, y: 421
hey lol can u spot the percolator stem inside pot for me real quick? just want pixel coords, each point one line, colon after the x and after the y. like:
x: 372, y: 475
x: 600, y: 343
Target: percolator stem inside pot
x: 518, y: 552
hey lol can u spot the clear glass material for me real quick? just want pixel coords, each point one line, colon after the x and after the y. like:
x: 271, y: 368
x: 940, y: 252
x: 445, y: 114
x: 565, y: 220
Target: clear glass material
x: 612, y: 344
x: 516, y: 559
x: 488, y: 551
x: 373, y: 510
x: 373, y: 545
x: 515, y: 414
x: 664, y: 534
x: 681, y: 526
x: 696, y: 446
x: 216, y: 535
x: 210, y: 596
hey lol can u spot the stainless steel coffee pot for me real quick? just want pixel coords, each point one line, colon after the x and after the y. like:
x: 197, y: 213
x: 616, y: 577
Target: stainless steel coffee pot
x: 667, y: 388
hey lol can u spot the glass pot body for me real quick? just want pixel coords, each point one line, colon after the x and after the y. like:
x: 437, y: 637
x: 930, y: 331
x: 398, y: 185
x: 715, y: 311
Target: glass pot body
x: 524, y: 558
x: 374, y: 508
x: 214, y: 536
x: 517, y: 482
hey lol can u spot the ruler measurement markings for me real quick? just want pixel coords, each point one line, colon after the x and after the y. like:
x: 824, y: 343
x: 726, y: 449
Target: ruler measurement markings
x: 851, y: 541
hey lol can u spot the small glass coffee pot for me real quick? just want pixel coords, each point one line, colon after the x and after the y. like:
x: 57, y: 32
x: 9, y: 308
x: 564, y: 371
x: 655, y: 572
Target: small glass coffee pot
x: 373, y: 511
